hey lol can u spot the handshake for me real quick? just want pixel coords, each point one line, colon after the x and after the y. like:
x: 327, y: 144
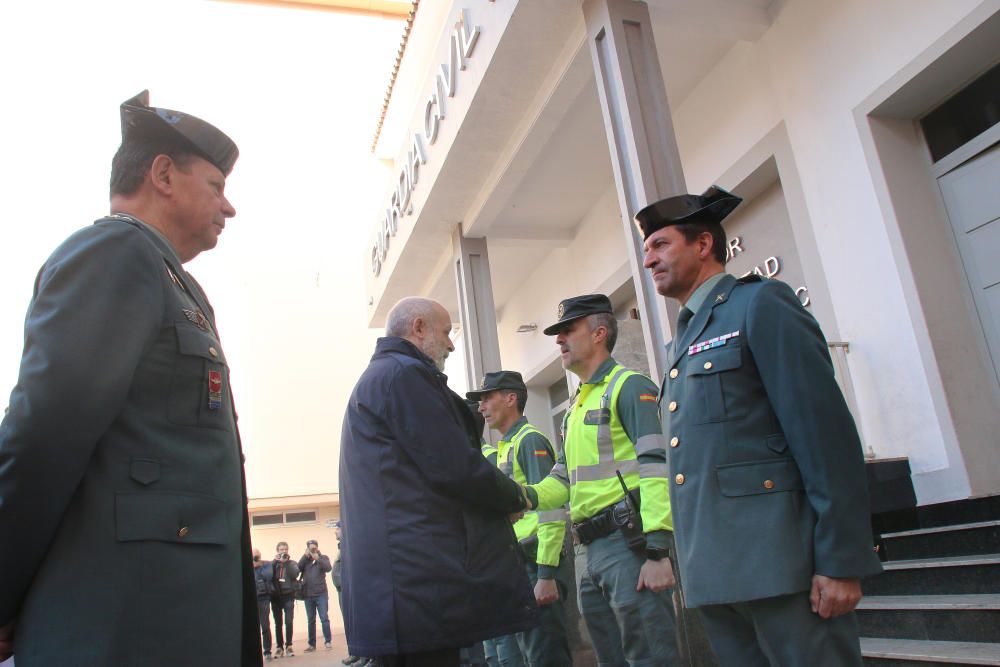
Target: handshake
x: 527, y: 505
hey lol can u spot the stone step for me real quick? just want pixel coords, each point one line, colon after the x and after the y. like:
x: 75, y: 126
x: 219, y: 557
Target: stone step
x: 981, y: 537
x: 906, y: 652
x: 953, y: 575
x: 952, y: 618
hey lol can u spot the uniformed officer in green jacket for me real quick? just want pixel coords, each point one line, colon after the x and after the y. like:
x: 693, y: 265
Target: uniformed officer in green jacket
x: 613, y: 438
x: 124, y: 537
x: 526, y: 456
x: 769, y: 487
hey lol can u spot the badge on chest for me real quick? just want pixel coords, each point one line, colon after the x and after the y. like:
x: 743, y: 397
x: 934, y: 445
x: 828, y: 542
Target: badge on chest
x: 597, y: 417
x: 712, y: 343
x: 214, y: 390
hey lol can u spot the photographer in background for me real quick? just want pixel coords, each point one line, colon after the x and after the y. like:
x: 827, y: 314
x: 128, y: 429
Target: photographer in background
x: 263, y: 574
x: 286, y: 571
x: 314, y: 566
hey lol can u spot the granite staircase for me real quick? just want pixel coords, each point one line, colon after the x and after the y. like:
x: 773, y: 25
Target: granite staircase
x: 938, y: 601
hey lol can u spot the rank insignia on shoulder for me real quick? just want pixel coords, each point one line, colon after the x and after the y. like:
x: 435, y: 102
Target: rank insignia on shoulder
x: 197, y: 318
x: 718, y: 341
x: 720, y: 298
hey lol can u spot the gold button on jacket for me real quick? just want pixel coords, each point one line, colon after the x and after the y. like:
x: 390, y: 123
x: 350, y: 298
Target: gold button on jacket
x: 674, y: 441
x: 183, y: 532
x: 679, y: 479
x: 768, y: 484
x: 674, y: 373
x: 673, y: 406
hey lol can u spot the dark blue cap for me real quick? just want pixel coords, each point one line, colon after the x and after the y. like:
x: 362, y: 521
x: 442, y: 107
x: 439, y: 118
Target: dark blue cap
x: 497, y: 380
x: 576, y: 307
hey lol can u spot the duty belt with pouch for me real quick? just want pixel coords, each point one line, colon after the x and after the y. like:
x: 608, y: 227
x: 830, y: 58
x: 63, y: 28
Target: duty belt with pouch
x: 623, y: 516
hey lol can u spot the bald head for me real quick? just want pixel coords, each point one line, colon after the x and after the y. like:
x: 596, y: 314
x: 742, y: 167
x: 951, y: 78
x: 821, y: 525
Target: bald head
x: 425, y: 323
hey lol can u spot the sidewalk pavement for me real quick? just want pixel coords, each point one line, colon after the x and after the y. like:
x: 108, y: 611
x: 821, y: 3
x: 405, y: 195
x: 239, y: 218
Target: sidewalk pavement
x: 321, y: 656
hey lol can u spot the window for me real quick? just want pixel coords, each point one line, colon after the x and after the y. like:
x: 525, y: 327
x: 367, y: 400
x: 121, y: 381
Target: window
x: 269, y: 519
x: 972, y: 111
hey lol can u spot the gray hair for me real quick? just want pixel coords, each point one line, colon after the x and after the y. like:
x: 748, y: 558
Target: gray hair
x: 609, y: 322
x: 406, y: 312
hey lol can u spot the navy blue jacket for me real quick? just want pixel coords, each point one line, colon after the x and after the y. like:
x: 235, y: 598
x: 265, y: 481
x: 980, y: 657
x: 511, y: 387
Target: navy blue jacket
x: 264, y: 578
x: 429, y: 556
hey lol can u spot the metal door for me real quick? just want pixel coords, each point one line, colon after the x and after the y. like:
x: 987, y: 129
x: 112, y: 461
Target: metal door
x: 972, y: 198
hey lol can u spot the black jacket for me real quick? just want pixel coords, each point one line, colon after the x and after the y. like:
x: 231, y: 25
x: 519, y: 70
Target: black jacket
x: 430, y: 558
x: 285, y: 574
x: 314, y: 575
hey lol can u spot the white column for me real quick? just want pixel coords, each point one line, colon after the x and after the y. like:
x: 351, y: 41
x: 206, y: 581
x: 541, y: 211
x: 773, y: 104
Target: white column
x: 640, y: 133
x: 477, y: 311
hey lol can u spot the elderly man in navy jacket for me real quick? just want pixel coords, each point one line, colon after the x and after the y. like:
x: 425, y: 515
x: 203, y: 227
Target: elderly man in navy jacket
x: 768, y: 490
x: 430, y: 559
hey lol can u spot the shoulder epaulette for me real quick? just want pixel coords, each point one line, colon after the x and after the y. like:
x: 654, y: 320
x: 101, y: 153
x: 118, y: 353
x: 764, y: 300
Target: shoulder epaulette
x: 750, y: 278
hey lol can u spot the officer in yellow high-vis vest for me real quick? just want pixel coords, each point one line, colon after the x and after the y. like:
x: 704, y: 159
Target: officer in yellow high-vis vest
x: 613, y: 437
x: 525, y: 455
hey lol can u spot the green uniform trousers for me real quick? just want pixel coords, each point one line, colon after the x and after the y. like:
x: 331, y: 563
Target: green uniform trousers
x: 780, y: 631
x: 628, y: 628
x: 546, y: 645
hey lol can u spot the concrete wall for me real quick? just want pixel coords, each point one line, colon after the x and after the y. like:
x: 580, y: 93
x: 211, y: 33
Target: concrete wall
x: 596, y: 253
x: 815, y: 64
x: 266, y: 538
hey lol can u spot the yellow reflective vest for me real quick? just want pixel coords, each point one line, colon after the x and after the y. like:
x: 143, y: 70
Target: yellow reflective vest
x: 597, y: 448
x: 550, y: 526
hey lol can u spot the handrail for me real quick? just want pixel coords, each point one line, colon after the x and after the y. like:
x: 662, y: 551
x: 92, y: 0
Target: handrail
x: 842, y: 373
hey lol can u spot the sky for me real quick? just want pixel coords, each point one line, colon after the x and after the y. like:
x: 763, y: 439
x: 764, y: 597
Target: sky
x: 300, y: 92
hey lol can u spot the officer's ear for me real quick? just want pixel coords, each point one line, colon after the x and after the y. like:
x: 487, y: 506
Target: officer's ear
x: 706, y: 245
x: 161, y: 173
x: 600, y: 333
x: 510, y: 399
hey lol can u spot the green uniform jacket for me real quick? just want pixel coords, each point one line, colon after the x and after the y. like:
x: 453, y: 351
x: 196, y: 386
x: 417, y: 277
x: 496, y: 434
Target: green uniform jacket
x: 123, y: 519
x: 767, y: 474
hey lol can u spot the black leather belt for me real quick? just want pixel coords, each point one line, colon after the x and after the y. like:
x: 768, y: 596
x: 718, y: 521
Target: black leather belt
x: 606, y: 521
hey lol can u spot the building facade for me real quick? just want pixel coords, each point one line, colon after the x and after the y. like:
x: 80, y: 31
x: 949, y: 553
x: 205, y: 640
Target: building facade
x: 523, y: 136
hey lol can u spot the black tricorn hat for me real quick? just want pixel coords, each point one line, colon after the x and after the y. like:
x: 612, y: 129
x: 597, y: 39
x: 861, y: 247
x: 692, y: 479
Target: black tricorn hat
x: 711, y: 206
x: 497, y: 380
x: 576, y: 307
x: 141, y: 121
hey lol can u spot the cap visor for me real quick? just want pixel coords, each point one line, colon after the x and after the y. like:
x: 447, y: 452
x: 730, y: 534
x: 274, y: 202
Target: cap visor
x: 554, y: 329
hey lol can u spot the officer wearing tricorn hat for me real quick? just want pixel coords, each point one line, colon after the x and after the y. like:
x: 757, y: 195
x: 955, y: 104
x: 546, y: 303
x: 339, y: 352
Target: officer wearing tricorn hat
x: 613, y: 472
x: 121, y: 435
x: 767, y: 476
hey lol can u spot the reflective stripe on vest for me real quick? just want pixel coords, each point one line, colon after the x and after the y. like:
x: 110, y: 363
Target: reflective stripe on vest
x: 607, y: 466
x: 597, y: 447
